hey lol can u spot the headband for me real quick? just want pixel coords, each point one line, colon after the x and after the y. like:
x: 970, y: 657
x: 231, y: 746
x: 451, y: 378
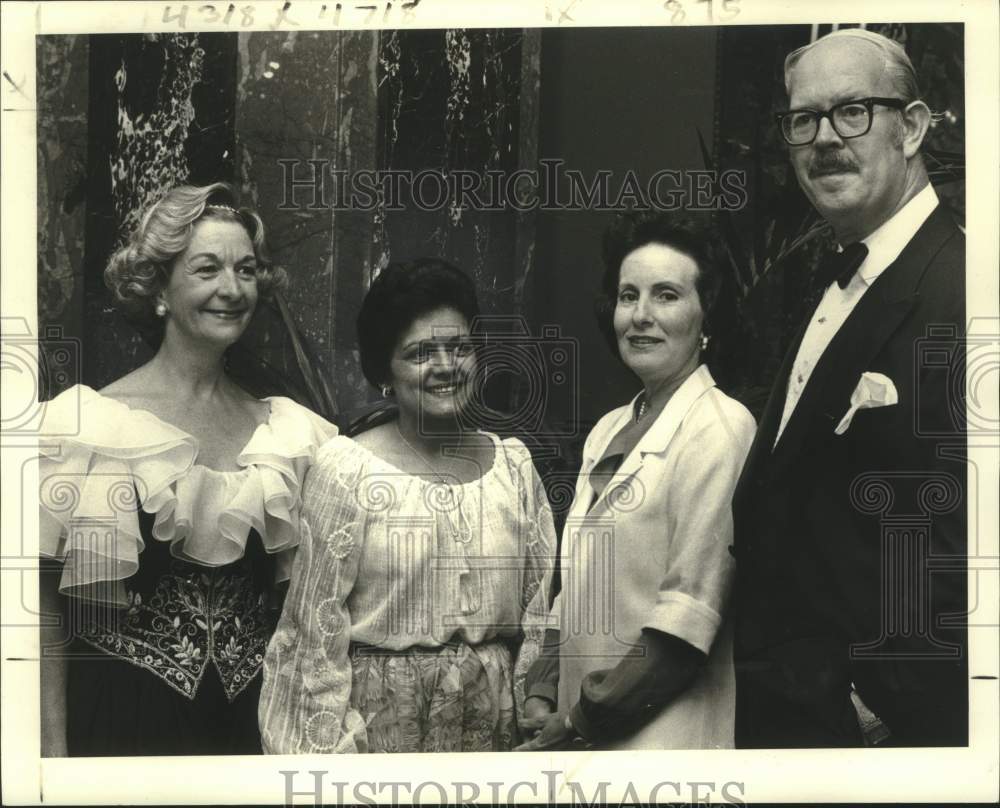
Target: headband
x: 224, y: 207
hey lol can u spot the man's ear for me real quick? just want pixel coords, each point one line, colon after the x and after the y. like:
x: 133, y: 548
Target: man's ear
x: 916, y: 120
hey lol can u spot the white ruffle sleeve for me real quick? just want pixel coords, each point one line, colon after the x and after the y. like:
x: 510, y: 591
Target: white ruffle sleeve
x: 102, y: 460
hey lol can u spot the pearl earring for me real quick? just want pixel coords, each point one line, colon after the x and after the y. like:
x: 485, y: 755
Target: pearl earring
x: 386, y: 390
x: 704, y: 342
x: 161, y: 309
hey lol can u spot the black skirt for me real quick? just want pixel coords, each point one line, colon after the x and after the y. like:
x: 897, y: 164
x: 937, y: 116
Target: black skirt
x: 116, y: 708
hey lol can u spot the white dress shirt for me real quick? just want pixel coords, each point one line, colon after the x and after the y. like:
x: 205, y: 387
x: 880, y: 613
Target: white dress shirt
x: 884, y: 246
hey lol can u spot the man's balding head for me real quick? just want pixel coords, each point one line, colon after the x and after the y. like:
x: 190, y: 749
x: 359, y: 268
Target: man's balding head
x: 896, y: 63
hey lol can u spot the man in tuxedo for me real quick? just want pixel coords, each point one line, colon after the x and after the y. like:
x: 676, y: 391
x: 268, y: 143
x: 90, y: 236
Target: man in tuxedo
x: 850, y: 526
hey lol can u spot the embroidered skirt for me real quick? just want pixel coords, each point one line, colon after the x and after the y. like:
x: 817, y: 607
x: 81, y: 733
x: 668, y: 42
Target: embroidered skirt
x: 456, y: 698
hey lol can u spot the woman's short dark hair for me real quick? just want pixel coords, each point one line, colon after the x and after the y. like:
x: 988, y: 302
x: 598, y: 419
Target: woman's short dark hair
x: 633, y: 230
x: 140, y: 270
x: 401, y: 293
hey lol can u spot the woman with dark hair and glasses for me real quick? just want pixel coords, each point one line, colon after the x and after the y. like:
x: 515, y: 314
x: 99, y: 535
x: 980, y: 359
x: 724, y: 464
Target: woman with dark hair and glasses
x: 418, y: 597
x: 170, y: 503
x: 643, y: 655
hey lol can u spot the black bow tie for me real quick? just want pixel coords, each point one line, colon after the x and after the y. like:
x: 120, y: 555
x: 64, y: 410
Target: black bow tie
x: 841, y: 266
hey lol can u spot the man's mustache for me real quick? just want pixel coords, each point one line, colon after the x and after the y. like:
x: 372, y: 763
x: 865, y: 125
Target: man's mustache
x: 830, y: 163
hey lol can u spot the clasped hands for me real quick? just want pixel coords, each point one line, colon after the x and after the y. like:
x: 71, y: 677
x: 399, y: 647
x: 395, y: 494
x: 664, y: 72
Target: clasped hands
x: 544, y: 727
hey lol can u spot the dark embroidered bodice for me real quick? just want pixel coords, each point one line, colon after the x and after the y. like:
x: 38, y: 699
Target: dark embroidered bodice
x: 183, y: 617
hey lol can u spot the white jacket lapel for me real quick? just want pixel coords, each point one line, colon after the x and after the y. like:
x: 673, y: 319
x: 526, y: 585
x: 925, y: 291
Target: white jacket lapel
x: 655, y: 441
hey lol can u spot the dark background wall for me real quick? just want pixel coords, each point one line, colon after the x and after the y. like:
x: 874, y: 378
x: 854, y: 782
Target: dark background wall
x: 614, y: 99
x: 123, y: 117
x: 205, y: 107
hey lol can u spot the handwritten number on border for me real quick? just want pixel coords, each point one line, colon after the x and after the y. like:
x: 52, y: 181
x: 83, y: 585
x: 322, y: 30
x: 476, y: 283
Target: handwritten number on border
x: 180, y: 16
x: 678, y: 14
x: 730, y: 8
x: 210, y: 14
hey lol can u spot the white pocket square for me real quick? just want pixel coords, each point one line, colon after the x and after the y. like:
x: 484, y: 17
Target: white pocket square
x: 873, y: 390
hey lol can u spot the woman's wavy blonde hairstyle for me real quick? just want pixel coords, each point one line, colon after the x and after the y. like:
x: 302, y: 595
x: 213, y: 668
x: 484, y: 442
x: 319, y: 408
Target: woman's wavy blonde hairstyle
x: 137, y: 272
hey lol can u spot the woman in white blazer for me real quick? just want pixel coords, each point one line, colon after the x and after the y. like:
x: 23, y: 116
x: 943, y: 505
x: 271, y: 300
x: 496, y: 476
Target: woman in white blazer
x: 643, y: 654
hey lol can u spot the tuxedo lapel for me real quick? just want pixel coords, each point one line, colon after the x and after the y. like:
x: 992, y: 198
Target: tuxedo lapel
x: 827, y: 394
x: 760, y: 449
x: 875, y: 318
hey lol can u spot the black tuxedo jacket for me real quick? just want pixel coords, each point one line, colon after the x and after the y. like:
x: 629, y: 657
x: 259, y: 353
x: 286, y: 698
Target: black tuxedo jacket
x: 851, y: 548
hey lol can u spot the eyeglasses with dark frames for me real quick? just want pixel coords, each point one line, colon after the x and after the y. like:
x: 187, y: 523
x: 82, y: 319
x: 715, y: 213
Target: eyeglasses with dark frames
x: 853, y: 118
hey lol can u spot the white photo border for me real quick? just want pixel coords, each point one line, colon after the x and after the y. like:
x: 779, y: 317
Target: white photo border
x: 868, y: 775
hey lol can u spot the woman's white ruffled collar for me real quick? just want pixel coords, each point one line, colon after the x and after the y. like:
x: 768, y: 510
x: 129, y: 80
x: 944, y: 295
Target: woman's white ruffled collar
x: 98, y: 455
